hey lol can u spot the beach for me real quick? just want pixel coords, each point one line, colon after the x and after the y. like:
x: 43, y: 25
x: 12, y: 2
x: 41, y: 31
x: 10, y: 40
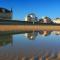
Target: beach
x: 28, y: 27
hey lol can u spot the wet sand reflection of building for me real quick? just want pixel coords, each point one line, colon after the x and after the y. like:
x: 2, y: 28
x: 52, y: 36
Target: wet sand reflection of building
x: 44, y: 33
x: 5, y: 39
x: 56, y: 32
x: 5, y: 14
x: 32, y: 35
x: 21, y: 56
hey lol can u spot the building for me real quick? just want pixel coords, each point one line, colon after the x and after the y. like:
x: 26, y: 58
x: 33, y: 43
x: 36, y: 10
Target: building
x: 45, y: 20
x: 5, y: 14
x: 57, y: 20
x: 31, y: 18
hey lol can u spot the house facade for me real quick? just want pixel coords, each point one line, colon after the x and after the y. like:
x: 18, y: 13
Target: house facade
x: 45, y: 20
x: 31, y: 18
x: 5, y: 14
x: 57, y: 20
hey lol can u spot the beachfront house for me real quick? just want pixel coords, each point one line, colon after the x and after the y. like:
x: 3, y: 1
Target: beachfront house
x: 31, y: 18
x: 57, y: 20
x: 45, y: 20
x: 5, y: 14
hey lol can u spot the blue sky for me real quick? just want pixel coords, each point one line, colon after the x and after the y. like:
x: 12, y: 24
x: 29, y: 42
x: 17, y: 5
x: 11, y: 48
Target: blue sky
x: 21, y: 8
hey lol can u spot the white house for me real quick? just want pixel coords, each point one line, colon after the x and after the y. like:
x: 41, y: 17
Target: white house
x: 57, y: 20
x: 31, y: 18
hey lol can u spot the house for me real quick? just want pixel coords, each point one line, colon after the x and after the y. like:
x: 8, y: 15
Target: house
x: 45, y: 20
x: 57, y: 20
x: 31, y: 18
x: 5, y: 14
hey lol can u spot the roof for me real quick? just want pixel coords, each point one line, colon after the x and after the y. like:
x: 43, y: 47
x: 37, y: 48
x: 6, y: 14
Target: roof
x: 4, y: 10
x: 32, y: 15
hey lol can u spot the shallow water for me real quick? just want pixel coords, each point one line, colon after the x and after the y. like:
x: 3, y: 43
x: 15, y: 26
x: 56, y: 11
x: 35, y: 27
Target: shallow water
x: 30, y: 45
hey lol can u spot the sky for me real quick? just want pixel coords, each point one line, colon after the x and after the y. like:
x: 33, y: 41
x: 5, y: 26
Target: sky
x: 21, y: 8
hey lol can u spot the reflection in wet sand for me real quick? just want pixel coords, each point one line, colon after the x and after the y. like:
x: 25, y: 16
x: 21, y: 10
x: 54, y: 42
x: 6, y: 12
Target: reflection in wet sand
x: 14, y: 57
x: 40, y: 57
x: 56, y: 32
x: 32, y: 35
x: 5, y: 39
x: 44, y: 33
x: 9, y: 53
